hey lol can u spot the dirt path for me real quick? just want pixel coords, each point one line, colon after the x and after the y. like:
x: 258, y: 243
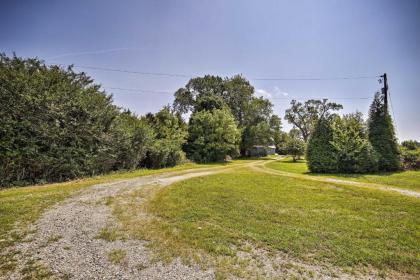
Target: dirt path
x: 260, y: 167
x: 65, y: 241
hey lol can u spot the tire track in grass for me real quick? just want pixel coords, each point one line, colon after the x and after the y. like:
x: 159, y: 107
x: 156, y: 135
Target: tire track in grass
x: 260, y: 167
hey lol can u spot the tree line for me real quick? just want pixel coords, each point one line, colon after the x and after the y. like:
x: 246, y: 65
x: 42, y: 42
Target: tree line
x: 57, y: 124
x: 348, y: 143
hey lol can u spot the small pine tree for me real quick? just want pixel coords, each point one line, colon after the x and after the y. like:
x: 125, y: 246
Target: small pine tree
x: 382, y: 135
x: 320, y: 153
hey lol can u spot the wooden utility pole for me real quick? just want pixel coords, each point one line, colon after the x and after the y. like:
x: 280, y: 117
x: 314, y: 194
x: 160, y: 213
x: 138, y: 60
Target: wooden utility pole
x: 385, y: 90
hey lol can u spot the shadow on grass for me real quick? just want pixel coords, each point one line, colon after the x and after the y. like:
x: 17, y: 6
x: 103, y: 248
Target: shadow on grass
x: 305, y: 171
x: 355, y: 175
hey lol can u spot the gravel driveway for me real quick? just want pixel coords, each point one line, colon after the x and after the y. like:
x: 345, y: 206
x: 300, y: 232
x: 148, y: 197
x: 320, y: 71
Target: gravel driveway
x: 65, y: 243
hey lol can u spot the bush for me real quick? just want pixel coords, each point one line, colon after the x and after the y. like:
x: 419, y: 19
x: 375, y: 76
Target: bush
x: 162, y: 153
x: 320, y: 154
x: 170, y: 133
x: 410, y: 144
x: 55, y: 124
x: 410, y: 158
x: 354, y: 154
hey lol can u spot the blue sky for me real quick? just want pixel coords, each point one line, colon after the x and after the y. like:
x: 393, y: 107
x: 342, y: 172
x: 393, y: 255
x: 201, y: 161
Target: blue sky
x: 258, y: 39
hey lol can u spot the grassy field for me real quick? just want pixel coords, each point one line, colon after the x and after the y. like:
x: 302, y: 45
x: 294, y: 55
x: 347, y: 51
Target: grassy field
x: 404, y: 179
x: 21, y: 206
x: 210, y: 219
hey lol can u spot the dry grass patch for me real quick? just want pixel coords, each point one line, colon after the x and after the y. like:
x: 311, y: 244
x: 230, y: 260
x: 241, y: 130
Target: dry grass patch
x: 117, y: 256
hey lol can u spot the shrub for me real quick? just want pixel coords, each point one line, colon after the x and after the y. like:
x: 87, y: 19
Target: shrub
x: 170, y: 133
x: 410, y: 158
x: 55, y: 123
x: 353, y: 152
x: 411, y: 144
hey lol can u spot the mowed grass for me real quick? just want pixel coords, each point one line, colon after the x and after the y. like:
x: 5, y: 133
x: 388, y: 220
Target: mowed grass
x: 345, y: 226
x: 402, y: 179
x: 20, y: 206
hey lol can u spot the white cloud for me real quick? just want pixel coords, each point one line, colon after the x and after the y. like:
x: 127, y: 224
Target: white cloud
x: 263, y: 93
x: 279, y: 93
x: 276, y: 92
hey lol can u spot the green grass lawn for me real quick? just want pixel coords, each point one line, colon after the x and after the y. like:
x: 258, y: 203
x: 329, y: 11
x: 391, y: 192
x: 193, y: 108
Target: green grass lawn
x: 403, y: 179
x: 20, y: 206
x: 345, y: 226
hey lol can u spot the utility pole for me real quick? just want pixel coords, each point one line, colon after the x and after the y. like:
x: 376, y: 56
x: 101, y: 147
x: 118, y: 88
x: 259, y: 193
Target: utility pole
x: 385, y: 90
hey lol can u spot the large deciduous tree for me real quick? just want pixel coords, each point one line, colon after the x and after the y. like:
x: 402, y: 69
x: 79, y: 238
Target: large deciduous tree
x: 304, y: 116
x: 213, y: 135
x: 253, y: 115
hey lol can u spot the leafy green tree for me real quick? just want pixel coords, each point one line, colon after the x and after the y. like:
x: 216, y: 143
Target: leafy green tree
x: 304, y: 116
x: 253, y: 115
x: 295, y: 147
x: 129, y: 141
x: 212, y: 136
x: 209, y: 102
x: 410, y: 144
x: 320, y: 153
x: 381, y: 135
x: 260, y: 125
x: 170, y: 134
x: 186, y: 98
x: 353, y: 152
x: 238, y: 93
x: 54, y: 123
x: 281, y: 143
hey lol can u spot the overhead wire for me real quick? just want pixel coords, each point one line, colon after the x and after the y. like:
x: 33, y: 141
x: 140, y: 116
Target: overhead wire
x: 140, y: 91
x: 392, y: 109
x: 256, y: 79
x: 161, y: 74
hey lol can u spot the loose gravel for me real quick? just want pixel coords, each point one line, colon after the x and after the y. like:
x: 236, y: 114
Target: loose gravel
x: 65, y: 240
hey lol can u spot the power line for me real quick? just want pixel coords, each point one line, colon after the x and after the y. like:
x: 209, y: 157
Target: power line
x: 146, y: 91
x: 140, y: 91
x: 255, y: 79
x: 392, y: 109
x: 130, y: 71
x: 312, y: 97
x: 316, y: 79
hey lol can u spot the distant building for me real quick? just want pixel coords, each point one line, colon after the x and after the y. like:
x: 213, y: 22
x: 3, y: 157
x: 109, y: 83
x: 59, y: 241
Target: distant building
x: 261, y: 151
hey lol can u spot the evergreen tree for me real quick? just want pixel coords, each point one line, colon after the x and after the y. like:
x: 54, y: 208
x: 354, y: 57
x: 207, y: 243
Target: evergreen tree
x: 382, y: 135
x: 320, y: 153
